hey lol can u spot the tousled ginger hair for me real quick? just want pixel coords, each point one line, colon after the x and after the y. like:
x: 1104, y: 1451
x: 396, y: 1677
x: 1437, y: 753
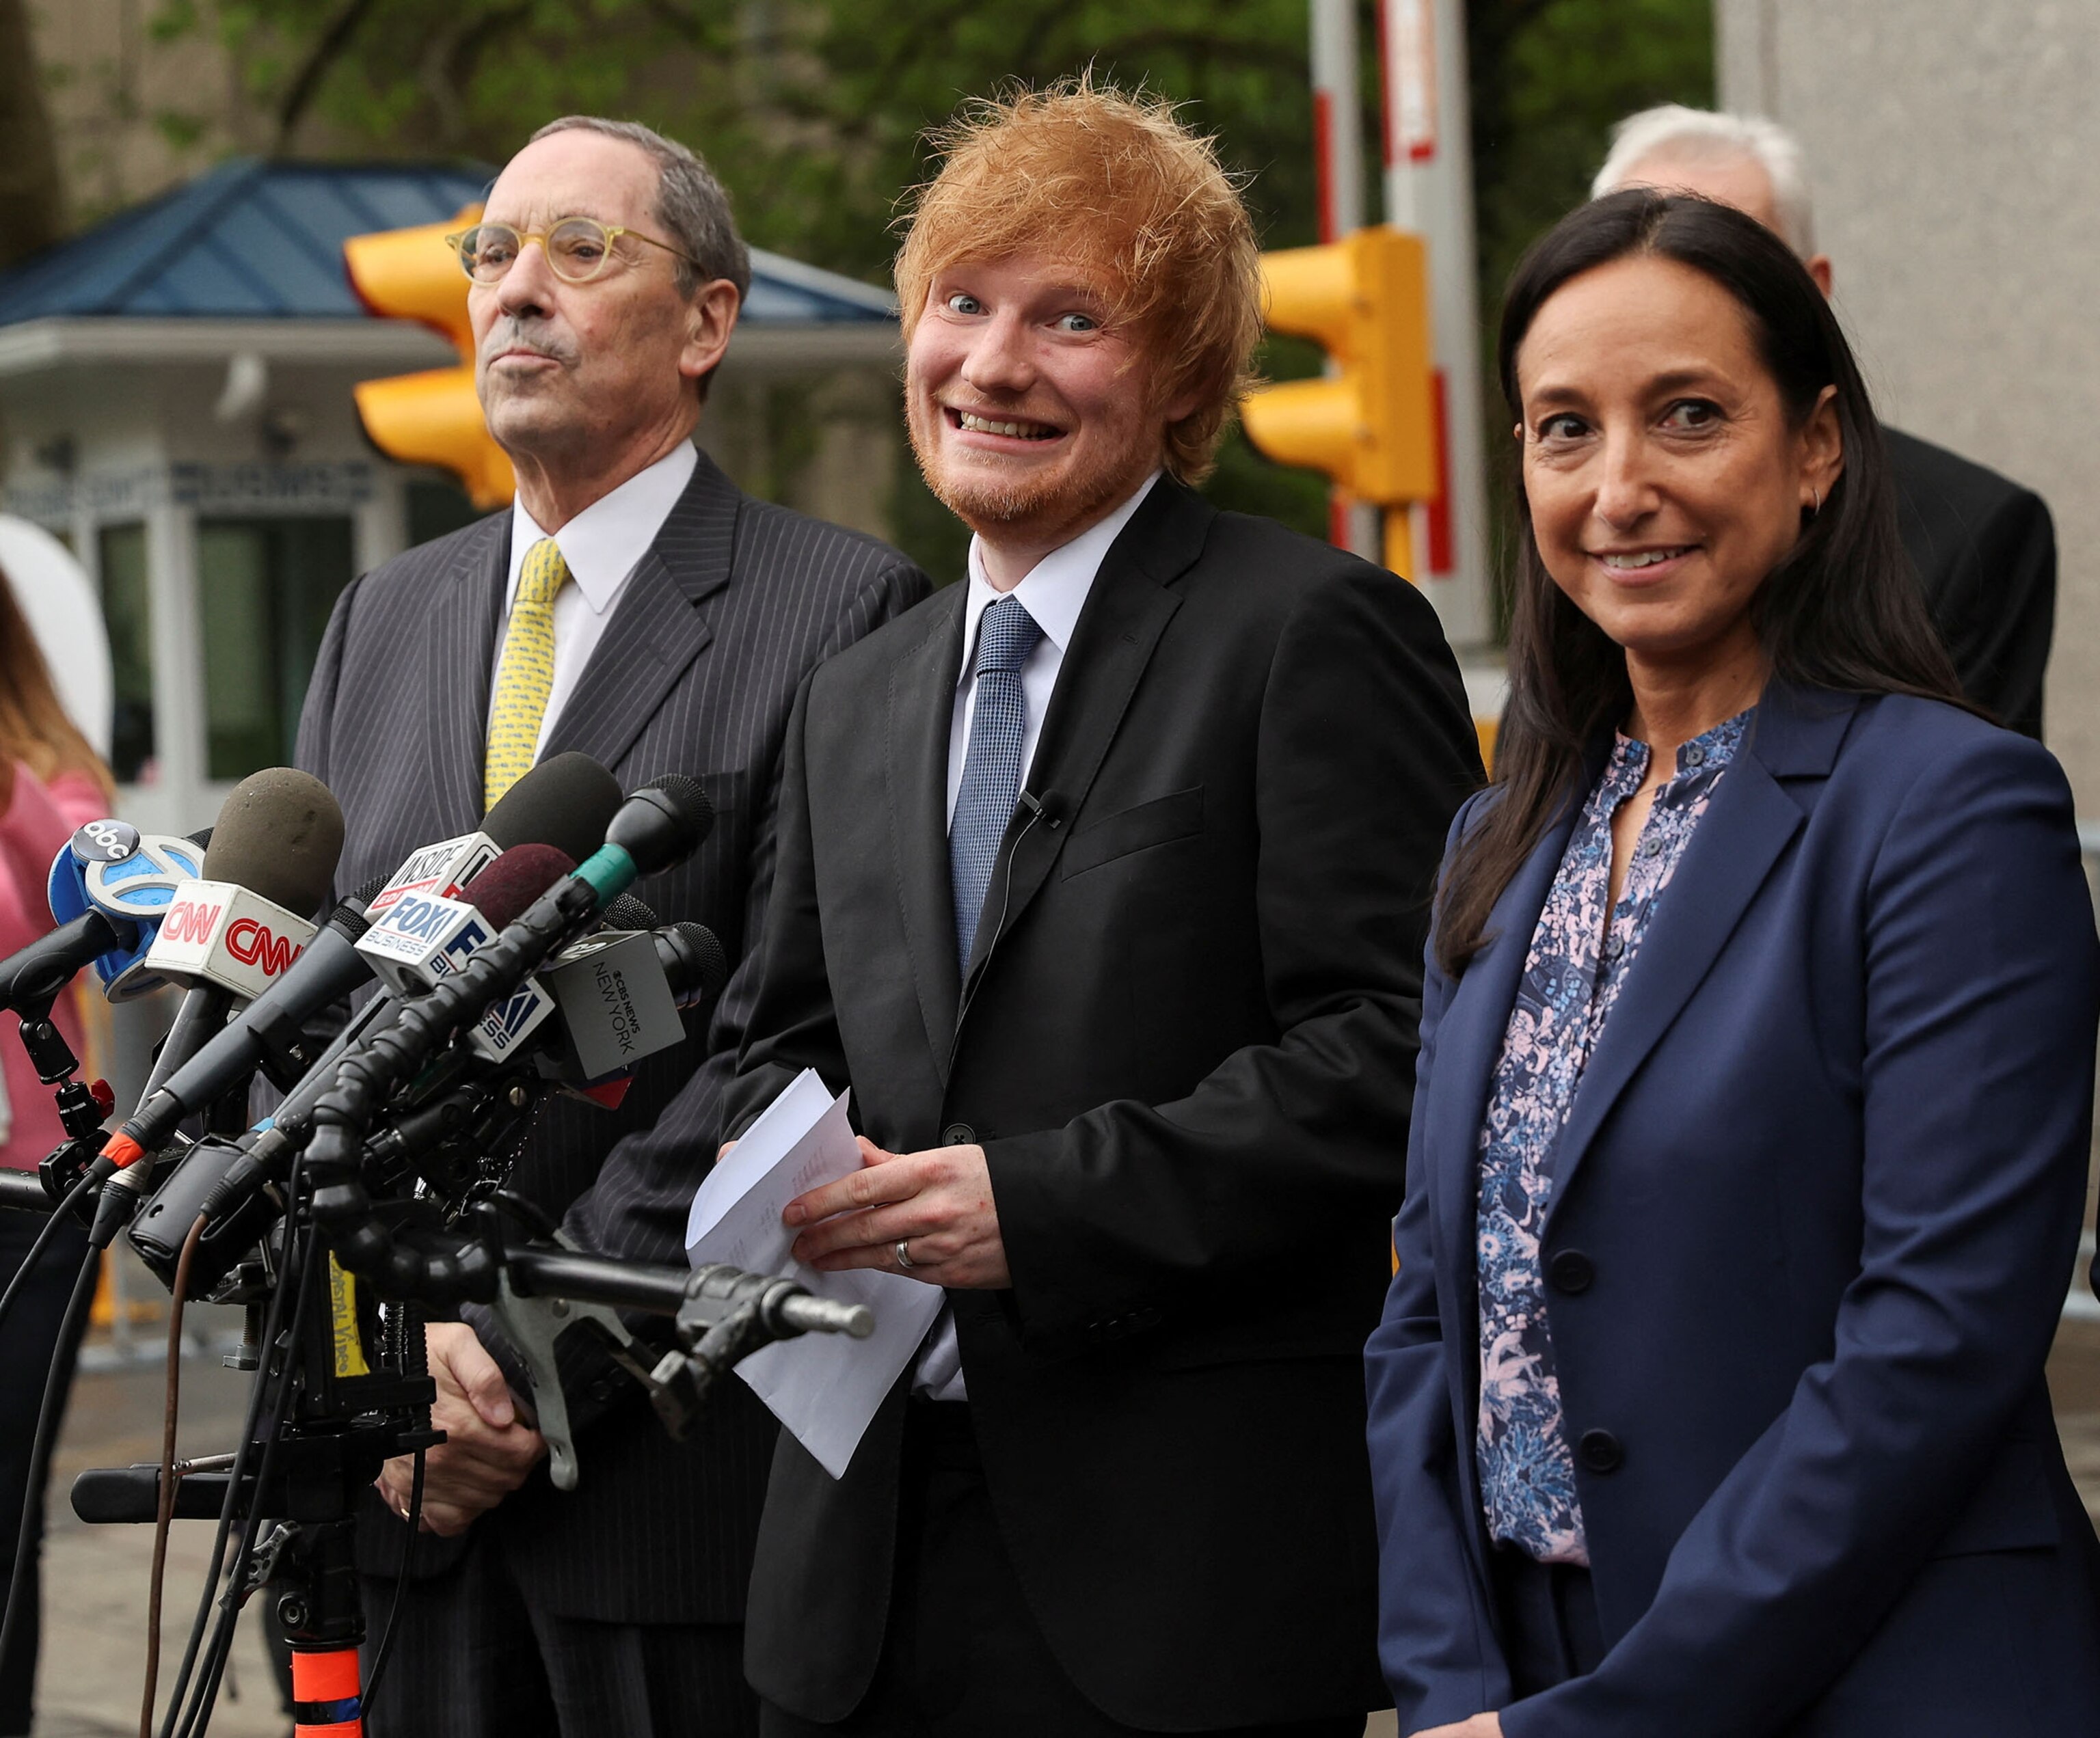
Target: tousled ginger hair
x: 1087, y: 166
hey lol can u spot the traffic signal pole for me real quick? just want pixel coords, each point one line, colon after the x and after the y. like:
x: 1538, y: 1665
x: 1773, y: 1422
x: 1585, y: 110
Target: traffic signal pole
x: 1338, y: 162
x: 1429, y: 190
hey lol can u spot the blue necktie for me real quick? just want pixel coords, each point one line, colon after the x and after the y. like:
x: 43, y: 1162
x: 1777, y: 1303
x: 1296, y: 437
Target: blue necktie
x: 991, y: 764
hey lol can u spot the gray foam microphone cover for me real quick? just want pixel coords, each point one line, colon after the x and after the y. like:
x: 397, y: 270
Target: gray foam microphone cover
x: 279, y: 834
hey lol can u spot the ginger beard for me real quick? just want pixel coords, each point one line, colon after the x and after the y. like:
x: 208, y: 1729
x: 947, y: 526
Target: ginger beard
x: 1032, y: 410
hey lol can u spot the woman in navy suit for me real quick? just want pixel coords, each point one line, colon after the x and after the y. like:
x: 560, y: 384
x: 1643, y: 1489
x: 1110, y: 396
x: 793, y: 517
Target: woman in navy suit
x: 1751, y: 1135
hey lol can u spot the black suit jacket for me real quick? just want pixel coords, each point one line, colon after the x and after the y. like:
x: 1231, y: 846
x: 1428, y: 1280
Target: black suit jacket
x: 1986, y: 551
x: 1186, y: 1043
x: 695, y: 673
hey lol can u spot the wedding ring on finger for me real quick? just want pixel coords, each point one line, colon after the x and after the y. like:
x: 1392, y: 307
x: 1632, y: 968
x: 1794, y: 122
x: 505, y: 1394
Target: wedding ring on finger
x: 902, y: 1251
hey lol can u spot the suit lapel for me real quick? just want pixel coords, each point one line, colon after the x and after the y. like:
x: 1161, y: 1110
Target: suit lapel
x: 1127, y: 610
x: 1469, y: 1042
x: 458, y: 657
x: 657, y: 628
x: 1741, y: 838
x: 920, y: 716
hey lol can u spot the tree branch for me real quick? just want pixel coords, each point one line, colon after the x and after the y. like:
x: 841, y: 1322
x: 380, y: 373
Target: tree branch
x: 327, y: 48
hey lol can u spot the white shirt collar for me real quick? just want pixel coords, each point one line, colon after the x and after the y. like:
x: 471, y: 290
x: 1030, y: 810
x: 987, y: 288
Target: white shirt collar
x: 1055, y: 588
x: 604, y: 543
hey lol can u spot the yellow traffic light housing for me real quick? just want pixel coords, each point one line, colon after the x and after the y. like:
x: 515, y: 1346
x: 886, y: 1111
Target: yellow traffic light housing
x: 434, y: 417
x: 1372, y: 426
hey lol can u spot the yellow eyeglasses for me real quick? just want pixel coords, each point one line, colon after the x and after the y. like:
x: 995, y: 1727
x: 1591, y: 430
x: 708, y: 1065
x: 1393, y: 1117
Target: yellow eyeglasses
x: 578, y: 247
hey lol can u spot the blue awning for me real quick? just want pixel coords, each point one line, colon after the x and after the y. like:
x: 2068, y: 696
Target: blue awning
x: 258, y: 241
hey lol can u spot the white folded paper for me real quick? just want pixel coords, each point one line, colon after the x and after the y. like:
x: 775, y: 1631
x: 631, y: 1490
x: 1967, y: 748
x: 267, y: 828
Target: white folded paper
x: 824, y: 1388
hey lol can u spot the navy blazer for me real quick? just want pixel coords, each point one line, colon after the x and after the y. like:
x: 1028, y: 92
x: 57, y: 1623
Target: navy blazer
x: 1823, y: 1176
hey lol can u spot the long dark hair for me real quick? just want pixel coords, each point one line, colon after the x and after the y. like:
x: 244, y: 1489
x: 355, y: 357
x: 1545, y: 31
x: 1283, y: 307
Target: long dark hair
x: 1842, y: 610
x: 34, y: 728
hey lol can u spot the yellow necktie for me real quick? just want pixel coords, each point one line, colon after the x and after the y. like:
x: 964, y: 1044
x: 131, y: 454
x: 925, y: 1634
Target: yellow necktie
x: 526, y: 674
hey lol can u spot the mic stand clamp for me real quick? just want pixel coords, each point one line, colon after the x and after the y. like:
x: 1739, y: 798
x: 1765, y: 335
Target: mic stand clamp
x: 533, y: 1324
x: 727, y: 1315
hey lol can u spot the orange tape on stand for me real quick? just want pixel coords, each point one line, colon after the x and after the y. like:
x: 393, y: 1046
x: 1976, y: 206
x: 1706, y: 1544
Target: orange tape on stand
x: 326, y: 1689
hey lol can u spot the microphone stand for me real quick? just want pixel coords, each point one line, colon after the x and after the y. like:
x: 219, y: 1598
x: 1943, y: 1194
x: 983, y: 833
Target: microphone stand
x: 352, y: 1393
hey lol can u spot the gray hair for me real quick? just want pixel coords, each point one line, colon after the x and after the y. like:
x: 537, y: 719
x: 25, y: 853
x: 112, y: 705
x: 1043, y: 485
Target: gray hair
x: 1676, y: 133
x: 690, y: 203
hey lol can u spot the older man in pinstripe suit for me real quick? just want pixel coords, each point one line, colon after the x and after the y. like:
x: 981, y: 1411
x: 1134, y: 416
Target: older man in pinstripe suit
x: 634, y: 606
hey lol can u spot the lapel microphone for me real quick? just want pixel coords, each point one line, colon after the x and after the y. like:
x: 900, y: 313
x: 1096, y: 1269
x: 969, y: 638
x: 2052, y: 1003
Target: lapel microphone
x: 1048, y: 809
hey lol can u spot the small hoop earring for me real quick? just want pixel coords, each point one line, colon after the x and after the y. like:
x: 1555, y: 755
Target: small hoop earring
x: 1815, y: 501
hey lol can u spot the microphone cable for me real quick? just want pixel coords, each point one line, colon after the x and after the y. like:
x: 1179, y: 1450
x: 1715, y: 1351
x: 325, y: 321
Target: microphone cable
x: 73, y: 1198
x: 262, y: 1392
x: 40, y: 1454
x: 414, y: 1518
x: 204, y: 1693
x: 165, y: 1511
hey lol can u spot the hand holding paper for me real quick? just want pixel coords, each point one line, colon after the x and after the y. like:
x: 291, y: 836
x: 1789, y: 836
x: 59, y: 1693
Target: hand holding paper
x: 938, y: 1203
x: 823, y: 1389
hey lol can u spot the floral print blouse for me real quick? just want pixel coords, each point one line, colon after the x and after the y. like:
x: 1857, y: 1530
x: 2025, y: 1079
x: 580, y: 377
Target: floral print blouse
x: 1572, y: 976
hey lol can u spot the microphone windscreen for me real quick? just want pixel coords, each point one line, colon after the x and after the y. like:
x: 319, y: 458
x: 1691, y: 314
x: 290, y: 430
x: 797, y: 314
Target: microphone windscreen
x: 627, y: 912
x: 565, y: 801
x: 662, y: 824
x: 279, y: 834
x: 692, y: 797
x: 504, y: 889
x: 348, y: 919
x: 710, y: 967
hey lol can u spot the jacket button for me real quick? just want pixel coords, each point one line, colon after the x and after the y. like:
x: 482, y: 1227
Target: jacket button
x: 1600, y: 1451
x: 1571, y: 1271
x: 958, y: 1135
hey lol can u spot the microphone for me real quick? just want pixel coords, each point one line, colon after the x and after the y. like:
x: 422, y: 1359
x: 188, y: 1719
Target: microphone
x: 654, y: 829
x: 241, y: 924
x: 271, y: 1031
x: 693, y: 963
x: 618, y: 994
x: 272, y: 854
x: 566, y: 801
x: 109, y: 887
x: 502, y: 890
x: 425, y: 936
x: 657, y: 826
x: 496, y: 895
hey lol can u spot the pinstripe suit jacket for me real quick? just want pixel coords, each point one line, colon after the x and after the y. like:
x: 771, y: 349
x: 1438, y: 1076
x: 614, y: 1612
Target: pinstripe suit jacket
x: 736, y: 602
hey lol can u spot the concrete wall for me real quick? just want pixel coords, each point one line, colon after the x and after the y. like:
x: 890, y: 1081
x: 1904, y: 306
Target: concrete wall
x: 1955, y: 148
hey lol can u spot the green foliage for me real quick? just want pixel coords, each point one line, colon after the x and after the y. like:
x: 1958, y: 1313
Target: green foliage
x: 1549, y: 78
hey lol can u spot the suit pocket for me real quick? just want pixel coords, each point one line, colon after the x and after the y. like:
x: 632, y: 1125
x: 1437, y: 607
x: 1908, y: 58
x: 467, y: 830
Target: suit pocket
x: 1163, y: 820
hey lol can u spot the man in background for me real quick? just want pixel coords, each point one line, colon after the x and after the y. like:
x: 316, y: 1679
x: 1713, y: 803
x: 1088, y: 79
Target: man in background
x: 1103, y: 881
x: 635, y: 606
x: 1983, y: 547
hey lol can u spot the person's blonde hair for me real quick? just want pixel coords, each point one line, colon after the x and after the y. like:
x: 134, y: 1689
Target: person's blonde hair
x: 1117, y: 179
x: 34, y: 728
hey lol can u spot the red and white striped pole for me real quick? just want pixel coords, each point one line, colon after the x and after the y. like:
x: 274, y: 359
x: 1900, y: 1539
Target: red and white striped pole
x: 1429, y: 189
x: 1338, y: 162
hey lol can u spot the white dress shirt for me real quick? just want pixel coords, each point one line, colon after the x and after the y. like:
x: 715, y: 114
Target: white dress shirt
x: 1053, y: 592
x: 604, y: 544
